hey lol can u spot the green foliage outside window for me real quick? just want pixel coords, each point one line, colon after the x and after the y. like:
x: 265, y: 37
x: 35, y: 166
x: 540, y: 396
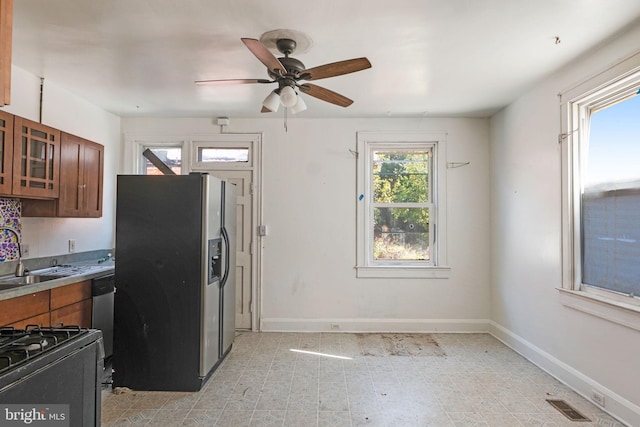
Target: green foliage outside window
x: 401, y: 232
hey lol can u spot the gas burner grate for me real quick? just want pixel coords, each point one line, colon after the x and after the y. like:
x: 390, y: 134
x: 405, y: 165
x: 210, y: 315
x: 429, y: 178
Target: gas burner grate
x: 19, y: 345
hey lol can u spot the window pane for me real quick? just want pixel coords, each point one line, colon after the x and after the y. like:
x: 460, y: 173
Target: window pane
x: 400, y: 177
x: 223, y: 155
x: 401, y: 234
x: 614, y: 144
x: 611, y: 199
x: 171, y: 157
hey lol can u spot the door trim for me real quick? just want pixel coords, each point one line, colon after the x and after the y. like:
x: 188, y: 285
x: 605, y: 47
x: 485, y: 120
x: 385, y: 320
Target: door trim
x: 132, y: 157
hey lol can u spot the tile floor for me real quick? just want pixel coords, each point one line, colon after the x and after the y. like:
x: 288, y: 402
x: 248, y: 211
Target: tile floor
x: 467, y: 380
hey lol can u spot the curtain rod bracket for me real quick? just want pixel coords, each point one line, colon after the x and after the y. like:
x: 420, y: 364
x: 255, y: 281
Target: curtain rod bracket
x: 453, y: 165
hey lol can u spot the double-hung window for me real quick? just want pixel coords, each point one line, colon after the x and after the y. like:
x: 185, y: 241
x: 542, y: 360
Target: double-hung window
x: 601, y: 209
x: 399, y: 204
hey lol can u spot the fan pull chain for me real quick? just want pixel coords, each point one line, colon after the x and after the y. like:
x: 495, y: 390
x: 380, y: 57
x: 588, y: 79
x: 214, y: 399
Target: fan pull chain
x: 285, y: 120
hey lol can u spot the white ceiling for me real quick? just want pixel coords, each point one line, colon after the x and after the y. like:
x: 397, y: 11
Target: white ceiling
x: 429, y: 57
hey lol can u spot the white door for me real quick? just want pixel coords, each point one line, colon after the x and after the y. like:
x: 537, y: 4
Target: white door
x: 242, y: 180
x: 235, y: 157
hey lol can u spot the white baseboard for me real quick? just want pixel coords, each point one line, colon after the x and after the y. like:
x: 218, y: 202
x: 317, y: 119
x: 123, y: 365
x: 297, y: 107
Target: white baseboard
x: 374, y: 325
x: 616, y: 405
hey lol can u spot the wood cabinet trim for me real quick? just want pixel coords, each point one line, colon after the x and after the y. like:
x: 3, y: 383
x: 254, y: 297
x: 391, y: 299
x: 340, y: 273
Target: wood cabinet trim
x: 6, y: 173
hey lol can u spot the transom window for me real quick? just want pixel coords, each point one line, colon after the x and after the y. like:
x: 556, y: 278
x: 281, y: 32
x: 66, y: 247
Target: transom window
x: 229, y: 154
x: 209, y: 155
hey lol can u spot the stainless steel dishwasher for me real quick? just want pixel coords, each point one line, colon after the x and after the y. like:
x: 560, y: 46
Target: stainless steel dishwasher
x: 102, y: 291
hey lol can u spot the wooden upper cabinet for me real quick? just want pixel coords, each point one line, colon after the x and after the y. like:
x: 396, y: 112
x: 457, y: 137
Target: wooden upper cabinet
x: 6, y: 30
x: 81, y: 175
x: 36, y: 159
x: 6, y: 153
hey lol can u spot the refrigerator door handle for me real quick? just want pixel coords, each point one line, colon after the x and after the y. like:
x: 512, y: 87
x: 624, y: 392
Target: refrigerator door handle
x: 227, y: 248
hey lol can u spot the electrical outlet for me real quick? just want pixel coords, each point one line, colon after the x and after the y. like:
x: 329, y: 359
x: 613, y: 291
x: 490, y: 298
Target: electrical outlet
x: 72, y: 245
x: 335, y: 326
x: 597, y: 397
x: 25, y: 250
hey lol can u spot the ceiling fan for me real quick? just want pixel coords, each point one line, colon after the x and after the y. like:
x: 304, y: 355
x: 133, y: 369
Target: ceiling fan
x: 291, y: 75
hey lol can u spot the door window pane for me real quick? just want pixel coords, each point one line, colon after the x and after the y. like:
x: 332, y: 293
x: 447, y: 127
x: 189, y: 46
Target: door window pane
x: 171, y: 157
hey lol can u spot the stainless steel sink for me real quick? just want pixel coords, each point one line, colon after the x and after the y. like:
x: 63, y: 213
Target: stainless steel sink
x: 50, y: 273
x: 12, y: 282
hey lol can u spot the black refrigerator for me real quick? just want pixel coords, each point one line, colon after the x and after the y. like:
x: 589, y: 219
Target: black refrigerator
x: 174, y: 308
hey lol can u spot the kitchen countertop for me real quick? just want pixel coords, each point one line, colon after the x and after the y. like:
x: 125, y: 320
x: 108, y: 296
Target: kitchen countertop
x: 108, y: 267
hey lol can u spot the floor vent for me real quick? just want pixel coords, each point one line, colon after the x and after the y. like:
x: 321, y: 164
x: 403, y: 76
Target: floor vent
x: 567, y: 410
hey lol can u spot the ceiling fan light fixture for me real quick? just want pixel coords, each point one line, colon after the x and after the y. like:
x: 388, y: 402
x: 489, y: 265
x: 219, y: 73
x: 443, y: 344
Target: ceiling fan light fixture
x: 288, y: 96
x: 299, y: 106
x: 272, y: 102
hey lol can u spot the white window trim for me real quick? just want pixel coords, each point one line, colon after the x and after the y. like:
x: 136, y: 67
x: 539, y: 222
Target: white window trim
x: 364, y: 267
x: 575, y: 102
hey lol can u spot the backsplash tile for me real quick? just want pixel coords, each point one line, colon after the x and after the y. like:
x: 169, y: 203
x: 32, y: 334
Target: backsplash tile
x: 10, y: 211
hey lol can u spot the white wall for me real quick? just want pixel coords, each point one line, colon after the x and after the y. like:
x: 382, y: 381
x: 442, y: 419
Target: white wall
x: 70, y: 113
x: 309, y: 198
x: 585, y: 351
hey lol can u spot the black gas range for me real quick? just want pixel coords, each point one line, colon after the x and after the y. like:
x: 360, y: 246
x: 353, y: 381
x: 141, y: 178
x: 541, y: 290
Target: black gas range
x: 60, y: 366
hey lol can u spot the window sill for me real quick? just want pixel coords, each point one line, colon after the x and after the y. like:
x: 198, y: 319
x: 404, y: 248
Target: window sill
x: 617, y: 312
x: 404, y: 272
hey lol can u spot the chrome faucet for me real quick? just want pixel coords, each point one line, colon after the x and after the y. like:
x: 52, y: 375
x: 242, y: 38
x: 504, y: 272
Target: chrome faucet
x: 20, y: 270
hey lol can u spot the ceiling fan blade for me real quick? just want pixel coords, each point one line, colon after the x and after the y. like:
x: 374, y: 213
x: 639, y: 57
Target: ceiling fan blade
x: 264, y: 55
x: 265, y: 110
x: 231, y: 82
x: 325, y: 95
x: 335, y: 69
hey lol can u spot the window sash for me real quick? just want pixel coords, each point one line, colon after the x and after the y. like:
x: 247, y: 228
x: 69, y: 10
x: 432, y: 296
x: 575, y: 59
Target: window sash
x: 397, y: 148
x: 579, y: 119
x: 437, y: 268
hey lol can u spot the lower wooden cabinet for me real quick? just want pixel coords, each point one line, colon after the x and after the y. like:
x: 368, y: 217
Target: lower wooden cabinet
x: 78, y: 313
x: 24, y: 307
x: 40, y: 320
x: 70, y: 294
x: 66, y: 305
